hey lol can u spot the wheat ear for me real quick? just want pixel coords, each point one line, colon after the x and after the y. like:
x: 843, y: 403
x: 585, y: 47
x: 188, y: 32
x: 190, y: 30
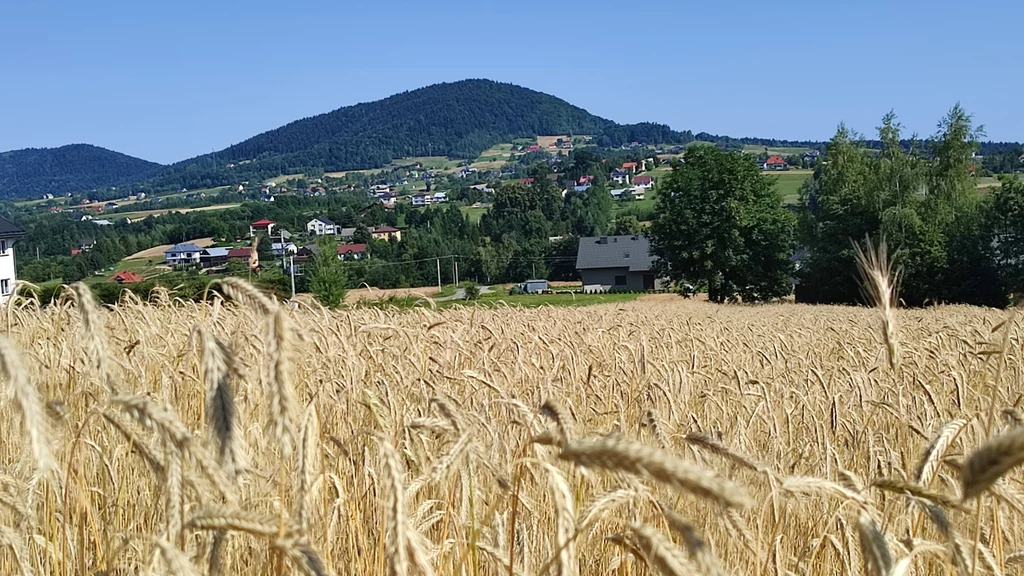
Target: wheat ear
x: 308, y: 462
x: 717, y: 447
x: 282, y: 398
x: 402, y: 545
x: 448, y: 412
x: 218, y: 365
x: 26, y: 398
x: 991, y: 461
x: 932, y: 457
x: 916, y: 491
x: 92, y: 333
x: 234, y: 520
x: 810, y: 486
x: 562, y: 419
x: 10, y: 538
x: 619, y: 454
x: 246, y: 294
x: 706, y: 562
x: 879, y: 283
x: 176, y: 560
x: 565, y: 521
x: 660, y: 552
x: 873, y: 547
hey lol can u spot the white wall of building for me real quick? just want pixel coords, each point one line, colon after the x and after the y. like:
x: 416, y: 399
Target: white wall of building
x: 7, y: 275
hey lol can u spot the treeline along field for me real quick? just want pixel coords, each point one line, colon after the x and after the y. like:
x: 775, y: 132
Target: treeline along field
x: 239, y: 437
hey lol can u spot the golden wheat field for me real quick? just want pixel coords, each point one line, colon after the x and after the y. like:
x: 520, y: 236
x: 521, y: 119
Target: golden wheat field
x: 660, y: 436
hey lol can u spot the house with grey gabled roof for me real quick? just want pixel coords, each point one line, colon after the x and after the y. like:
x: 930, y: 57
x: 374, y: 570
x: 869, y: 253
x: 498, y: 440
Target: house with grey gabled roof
x: 616, y: 263
x: 212, y: 257
x: 184, y: 254
x: 321, y: 226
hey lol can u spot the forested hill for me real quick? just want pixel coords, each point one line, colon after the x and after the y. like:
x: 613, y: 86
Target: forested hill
x: 73, y: 168
x: 458, y: 119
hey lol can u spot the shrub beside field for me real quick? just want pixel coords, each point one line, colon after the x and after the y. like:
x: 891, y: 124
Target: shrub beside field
x: 243, y: 438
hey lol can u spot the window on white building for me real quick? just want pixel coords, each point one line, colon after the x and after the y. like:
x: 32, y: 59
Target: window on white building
x: 3, y: 248
x: 5, y: 286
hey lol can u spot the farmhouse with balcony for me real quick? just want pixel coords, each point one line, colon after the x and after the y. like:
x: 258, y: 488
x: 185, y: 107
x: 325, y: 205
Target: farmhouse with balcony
x: 262, y: 227
x: 180, y: 255
x: 321, y: 226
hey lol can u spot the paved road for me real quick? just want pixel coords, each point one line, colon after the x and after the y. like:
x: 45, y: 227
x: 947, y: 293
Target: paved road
x: 460, y: 294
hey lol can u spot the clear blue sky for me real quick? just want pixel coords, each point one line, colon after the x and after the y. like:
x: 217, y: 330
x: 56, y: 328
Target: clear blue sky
x: 169, y: 80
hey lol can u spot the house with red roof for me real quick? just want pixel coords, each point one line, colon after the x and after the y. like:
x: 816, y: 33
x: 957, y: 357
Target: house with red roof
x: 584, y: 180
x: 526, y: 181
x: 630, y: 166
x: 643, y: 182
x: 352, y: 251
x: 386, y: 233
x: 126, y: 277
x: 262, y: 227
x: 774, y: 163
x: 239, y: 253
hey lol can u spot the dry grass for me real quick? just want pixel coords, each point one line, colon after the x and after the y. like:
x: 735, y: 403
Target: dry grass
x: 674, y: 437
x: 157, y: 252
x: 545, y: 141
x: 357, y: 294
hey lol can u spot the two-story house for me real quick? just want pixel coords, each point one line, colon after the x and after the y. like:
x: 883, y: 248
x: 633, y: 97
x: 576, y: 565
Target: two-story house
x: 321, y: 226
x: 262, y: 227
x: 386, y: 233
x: 180, y: 255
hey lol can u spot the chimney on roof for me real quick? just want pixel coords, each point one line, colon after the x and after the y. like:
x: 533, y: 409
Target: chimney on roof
x: 602, y: 240
x: 615, y: 240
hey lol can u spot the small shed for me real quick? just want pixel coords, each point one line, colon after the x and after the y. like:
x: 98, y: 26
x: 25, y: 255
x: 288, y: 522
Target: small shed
x: 535, y: 286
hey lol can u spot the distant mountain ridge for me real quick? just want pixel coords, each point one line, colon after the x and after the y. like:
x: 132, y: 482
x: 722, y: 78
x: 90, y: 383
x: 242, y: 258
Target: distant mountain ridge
x: 458, y: 119
x: 36, y: 171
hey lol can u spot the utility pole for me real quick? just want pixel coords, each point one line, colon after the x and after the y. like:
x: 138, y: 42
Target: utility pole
x: 291, y: 266
x: 534, y: 270
x: 439, y: 275
x: 456, y: 262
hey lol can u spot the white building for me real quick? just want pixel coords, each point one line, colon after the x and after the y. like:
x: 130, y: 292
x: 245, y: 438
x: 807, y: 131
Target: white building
x: 9, y: 234
x: 283, y: 248
x: 321, y: 226
x: 185, y: 254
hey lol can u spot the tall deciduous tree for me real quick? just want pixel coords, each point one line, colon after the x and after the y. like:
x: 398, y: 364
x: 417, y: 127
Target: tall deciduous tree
x: 928, y: 210
x: 326, y: 275
x: 1007, y: 226
x: 721, y: 222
